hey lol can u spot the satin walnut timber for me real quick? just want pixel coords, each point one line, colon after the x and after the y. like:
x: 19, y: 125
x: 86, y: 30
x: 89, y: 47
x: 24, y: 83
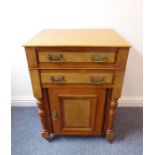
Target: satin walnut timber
x: 77, y: 78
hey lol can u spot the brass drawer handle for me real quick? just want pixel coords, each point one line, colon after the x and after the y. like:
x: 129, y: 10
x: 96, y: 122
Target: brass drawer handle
x: 54, y: 116
x: 57, y: 79
x: 99, y: 58
x: 97, y: 80
x: 55, y: 58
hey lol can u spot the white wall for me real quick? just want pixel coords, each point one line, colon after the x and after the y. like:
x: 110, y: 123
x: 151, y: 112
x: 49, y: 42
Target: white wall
x: 28, y: 17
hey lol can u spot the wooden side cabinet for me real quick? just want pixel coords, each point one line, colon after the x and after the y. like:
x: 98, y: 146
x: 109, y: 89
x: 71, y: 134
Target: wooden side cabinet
x: 77, y: 78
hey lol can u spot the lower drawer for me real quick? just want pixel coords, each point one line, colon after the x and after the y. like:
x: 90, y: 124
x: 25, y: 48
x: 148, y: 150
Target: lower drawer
x: 76, y: 77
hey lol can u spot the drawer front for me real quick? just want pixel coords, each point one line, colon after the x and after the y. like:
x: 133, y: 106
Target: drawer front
x: 76, y: 78
x: 106, y: 56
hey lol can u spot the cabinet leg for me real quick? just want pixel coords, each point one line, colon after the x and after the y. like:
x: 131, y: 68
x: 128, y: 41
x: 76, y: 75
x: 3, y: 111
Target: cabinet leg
x: 111, y: 117
x: 42, y: 115
x: 45, y: 135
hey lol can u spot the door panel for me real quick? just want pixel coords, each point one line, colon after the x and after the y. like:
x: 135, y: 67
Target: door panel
x: 77, y: 111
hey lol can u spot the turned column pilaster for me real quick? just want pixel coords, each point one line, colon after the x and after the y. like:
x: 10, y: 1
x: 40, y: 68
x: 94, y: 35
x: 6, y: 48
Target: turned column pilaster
x: 111, y: 118
x: 42, y: 116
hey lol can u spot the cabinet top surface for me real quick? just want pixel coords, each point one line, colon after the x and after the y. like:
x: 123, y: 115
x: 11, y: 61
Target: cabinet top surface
x: 77, y: 37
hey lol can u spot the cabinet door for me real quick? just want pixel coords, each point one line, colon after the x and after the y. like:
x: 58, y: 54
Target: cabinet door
x: 77, y: 111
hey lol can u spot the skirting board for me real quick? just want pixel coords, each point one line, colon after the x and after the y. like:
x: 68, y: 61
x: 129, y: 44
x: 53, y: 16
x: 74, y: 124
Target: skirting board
x: 124, y: 101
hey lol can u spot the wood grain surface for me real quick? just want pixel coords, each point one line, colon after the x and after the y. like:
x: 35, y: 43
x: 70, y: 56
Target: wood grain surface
x: 77, y: 37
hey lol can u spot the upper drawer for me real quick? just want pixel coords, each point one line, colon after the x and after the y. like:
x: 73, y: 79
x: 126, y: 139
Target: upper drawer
x: 76, y: 77
x: 106, y: 55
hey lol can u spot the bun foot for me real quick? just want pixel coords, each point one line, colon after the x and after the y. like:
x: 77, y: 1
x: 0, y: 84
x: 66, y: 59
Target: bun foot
x: 49, y: 139
x: 110, y: 141
x: 110, y: 136
x: 46, y: 135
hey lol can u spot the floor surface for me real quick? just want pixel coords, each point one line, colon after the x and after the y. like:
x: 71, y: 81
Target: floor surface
x: 26, y: 138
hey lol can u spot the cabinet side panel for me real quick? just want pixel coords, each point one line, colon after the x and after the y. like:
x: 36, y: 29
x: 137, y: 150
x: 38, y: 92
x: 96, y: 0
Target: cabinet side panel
x: 36, y: 86
x: 31, y: 57
x: 122, y: 57
x: 116, y: 92
x: 118, y: 83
